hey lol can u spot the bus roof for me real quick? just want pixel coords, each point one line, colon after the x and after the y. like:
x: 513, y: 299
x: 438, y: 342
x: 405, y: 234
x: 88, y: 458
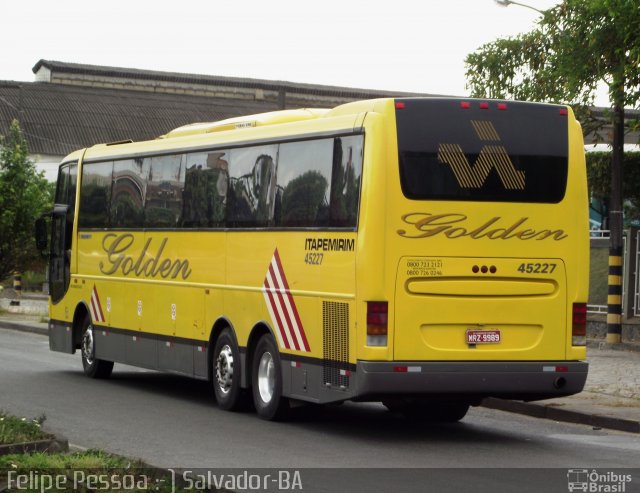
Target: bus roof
x: 271, y: 118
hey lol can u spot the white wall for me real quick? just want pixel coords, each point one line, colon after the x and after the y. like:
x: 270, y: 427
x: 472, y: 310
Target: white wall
x: 47, y: 163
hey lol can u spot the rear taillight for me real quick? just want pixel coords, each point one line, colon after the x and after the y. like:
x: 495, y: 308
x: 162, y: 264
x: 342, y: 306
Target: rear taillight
x: 377, y: 316
x: 579, y: 325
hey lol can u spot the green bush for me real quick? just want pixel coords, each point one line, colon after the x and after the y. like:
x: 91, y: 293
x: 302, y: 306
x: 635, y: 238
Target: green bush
x: 20, y: 430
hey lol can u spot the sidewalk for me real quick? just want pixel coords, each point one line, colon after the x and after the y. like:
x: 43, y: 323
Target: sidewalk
x: 611, y: 398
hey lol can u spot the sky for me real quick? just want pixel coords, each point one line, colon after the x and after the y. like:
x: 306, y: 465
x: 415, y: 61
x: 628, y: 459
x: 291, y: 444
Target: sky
x: 394, y: 45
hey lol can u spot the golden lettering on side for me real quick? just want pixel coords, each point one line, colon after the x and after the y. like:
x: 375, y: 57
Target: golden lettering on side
x: 454, y: 226
x: 147, y: 264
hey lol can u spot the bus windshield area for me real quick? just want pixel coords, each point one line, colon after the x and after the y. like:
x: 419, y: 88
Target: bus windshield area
x: 474, y: 151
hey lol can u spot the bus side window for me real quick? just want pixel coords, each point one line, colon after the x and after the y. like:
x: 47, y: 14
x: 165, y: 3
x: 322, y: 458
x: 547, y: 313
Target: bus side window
x: 163, y: 202
x: 206, y: 183
x: 95, y: 195
x: 129, y: 189
x: 304, y: 174
x: 252, y: 187
x: 345, y: 181
x: 66, y: 195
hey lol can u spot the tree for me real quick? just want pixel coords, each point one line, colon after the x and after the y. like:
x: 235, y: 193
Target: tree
x: 24, y: 195
x: 578, y: 45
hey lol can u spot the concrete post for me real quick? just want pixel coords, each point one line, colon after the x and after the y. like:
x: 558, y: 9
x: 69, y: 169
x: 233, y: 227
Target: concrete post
x: 17, y: 284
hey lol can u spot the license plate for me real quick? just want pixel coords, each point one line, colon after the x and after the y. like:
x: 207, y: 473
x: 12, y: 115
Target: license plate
x: 483, y: 336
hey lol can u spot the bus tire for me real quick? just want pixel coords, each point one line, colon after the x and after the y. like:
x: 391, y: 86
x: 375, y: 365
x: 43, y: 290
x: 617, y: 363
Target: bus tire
x: 267, y: 381
x: 93, y: 367
x: 226, y: 373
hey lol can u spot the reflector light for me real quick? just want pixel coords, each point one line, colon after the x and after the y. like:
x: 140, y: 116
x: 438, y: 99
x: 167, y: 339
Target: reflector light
x: 376, y: 329
x: 400, y: 105
x: 465, y: 105
x: 562, y: 369
x: 564, y: 111
x: 377, y: 318
x: 579, y: 326
x: 484, y: 106
x: 502, y: 106
x: 400, y: 369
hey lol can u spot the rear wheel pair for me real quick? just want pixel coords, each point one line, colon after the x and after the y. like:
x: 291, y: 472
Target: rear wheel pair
x: 266, y: 377
x: 267, y: 381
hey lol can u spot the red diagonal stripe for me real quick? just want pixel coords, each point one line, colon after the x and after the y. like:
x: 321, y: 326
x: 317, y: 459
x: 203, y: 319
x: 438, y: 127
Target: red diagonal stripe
x: 294, y: 308
x: 274, y: 309
x: 99, y: 307
x: 283, y: 305
x: 94, y: 312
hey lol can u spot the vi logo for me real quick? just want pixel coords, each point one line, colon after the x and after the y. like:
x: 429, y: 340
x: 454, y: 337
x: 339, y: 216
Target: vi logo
x: 493, y: 155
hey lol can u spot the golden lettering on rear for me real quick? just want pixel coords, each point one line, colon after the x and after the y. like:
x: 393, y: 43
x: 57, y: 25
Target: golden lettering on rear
x: 453, y: 226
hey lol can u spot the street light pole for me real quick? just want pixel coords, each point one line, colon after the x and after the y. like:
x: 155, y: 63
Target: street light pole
x: 506, y: 3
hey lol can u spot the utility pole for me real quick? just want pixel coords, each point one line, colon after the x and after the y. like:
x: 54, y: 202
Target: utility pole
x: 614, y: 298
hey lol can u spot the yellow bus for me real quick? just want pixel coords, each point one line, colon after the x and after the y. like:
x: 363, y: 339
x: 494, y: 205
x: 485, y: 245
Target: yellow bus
x: 425, y: 253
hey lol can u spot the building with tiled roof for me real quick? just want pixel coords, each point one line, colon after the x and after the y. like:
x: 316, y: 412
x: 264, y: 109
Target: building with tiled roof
x: 71, y: 106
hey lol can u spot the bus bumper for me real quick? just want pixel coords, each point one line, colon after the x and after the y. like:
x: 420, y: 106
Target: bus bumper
x: 522, y: 380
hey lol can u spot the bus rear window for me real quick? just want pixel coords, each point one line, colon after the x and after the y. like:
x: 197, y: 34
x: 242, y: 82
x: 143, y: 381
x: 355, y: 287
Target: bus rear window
x: 491, y: 152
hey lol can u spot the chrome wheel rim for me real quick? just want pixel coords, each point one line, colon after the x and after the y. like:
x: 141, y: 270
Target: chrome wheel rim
x: 224, y: 369
x: 87, y: 345
x: 266, y: 377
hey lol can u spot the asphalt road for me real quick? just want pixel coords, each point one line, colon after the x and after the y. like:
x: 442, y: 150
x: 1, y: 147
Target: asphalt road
x: 171, y: 421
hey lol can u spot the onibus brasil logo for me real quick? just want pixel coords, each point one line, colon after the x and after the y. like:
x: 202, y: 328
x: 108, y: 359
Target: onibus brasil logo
x: 597, y: 482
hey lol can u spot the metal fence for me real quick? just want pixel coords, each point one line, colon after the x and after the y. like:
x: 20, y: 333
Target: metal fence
x: 630, y: 279
x: 599, y: 240
x: 636, y: 294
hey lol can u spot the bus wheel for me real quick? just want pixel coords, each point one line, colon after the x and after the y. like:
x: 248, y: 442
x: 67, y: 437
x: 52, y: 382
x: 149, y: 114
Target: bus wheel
x: 226, y: 372
x: 93, y: 367
x: 267, y: 381
x: 431, y: 411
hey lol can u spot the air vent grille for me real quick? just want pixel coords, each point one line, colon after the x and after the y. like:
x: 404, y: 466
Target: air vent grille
x: 335, y: 346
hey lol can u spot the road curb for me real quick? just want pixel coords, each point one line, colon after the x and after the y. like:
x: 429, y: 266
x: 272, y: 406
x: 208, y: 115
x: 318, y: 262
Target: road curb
x: 23, y: 327
x: 565, y: 415
x: 53, y: 445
